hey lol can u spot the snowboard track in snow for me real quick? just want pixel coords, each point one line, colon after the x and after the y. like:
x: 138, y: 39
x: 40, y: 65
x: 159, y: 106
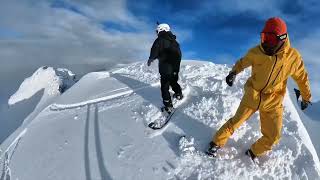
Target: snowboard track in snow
x: 61, y: 107
x: 6, y: 171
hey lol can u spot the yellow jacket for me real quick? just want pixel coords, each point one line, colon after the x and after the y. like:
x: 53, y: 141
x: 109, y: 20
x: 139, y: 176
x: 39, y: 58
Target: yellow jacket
x: 267, y: 85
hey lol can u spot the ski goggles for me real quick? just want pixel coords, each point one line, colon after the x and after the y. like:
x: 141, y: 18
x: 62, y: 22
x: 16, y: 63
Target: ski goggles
x: 272, y: 38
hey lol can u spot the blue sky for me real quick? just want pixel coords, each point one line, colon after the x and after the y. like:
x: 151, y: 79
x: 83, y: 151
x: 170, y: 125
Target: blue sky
x: 109, y: 32
x: 217, y: 32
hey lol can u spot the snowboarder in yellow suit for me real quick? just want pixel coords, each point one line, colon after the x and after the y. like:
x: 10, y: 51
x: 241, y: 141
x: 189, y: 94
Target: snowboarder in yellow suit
x: 272, y: 62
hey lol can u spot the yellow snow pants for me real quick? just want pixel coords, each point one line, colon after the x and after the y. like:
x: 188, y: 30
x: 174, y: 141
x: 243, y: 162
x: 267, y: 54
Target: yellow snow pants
x: 270, y: 121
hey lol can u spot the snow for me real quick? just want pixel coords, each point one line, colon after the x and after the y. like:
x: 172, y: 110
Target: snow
x: 97, y: 129
x: 47, y: 81
x: 309, y: 117
x: 47, y: 78
x: 34, y: 94
x: 311, y: 121
x: 41, y: 79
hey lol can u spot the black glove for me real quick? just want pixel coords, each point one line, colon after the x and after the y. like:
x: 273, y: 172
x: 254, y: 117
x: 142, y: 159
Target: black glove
x: 230, y: 78
x: 150, y: 61
x: 304, y: 104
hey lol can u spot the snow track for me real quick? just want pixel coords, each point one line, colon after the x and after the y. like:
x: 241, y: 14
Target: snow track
x: 7, y: 156
x: 59, y: 107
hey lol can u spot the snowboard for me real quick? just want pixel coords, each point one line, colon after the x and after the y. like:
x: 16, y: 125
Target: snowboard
x: 158, y: 124
x: 162, y: 121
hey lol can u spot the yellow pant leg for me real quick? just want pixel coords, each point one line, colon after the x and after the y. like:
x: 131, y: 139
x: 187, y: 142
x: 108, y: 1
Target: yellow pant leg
x: 243, y: 113
x: 271, y: 124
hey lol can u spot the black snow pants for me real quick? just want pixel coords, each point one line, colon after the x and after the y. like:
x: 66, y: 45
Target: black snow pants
x: 168, y: 80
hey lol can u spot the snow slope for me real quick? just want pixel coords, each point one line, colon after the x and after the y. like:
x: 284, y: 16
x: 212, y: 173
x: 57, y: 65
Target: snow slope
x: 34, y: 94
x: 310, y: 117
x: 98, y: 130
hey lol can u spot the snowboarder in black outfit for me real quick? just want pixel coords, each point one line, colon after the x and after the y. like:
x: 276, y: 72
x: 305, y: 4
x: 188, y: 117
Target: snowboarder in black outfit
x: 167, y: 50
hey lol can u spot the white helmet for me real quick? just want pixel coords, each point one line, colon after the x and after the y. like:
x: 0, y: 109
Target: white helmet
x: 163, y: 27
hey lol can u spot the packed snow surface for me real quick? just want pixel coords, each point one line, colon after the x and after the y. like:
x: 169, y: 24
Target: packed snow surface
x: 98, y: 130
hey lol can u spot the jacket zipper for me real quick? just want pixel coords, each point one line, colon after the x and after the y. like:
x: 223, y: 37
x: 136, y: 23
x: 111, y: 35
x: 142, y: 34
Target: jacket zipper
x: 277, y: 75
x: 267, y: 82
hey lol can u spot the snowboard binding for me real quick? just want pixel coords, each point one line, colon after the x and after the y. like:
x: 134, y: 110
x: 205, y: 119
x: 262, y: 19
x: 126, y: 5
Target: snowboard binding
x: 169, y: 110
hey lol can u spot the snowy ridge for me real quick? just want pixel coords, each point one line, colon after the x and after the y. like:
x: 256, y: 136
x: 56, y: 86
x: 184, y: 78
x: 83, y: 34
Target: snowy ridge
x: 100, y: 126
x: 51, y: 82
x: 301, y: 128
x: 43, y: 78
x: 47, y: 83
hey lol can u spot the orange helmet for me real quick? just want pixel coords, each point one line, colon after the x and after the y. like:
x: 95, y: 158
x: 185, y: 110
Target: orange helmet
x: 274, y: 31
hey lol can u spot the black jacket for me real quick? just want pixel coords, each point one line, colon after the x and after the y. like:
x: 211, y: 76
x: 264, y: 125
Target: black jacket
x: 167, y: 50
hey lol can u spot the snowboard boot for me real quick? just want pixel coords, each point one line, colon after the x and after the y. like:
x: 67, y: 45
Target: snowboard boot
x: 178, y: 96
x: 212, y: 150
x: 251, y: 155
x: 168, y: 107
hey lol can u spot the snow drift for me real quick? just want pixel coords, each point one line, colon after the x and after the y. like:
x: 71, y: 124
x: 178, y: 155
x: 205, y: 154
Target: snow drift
x: 50, y: 82
x: 98, y: 130
x: 53, y: 81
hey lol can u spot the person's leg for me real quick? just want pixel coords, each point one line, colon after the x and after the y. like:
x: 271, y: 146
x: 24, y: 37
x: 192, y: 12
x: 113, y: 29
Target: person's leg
x: 165, y: 84
x: 174, y: 84
x: 222, y: 135
x: 271, y: 125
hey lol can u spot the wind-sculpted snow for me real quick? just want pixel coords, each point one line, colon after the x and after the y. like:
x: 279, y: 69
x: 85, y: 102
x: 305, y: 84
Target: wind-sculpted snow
x: 41, y: 79
x: 53, y: 81
x: 98, y: 130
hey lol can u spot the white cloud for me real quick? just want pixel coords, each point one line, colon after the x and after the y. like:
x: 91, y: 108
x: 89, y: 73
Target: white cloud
x: 108, y: 10
x: 60, y: 36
